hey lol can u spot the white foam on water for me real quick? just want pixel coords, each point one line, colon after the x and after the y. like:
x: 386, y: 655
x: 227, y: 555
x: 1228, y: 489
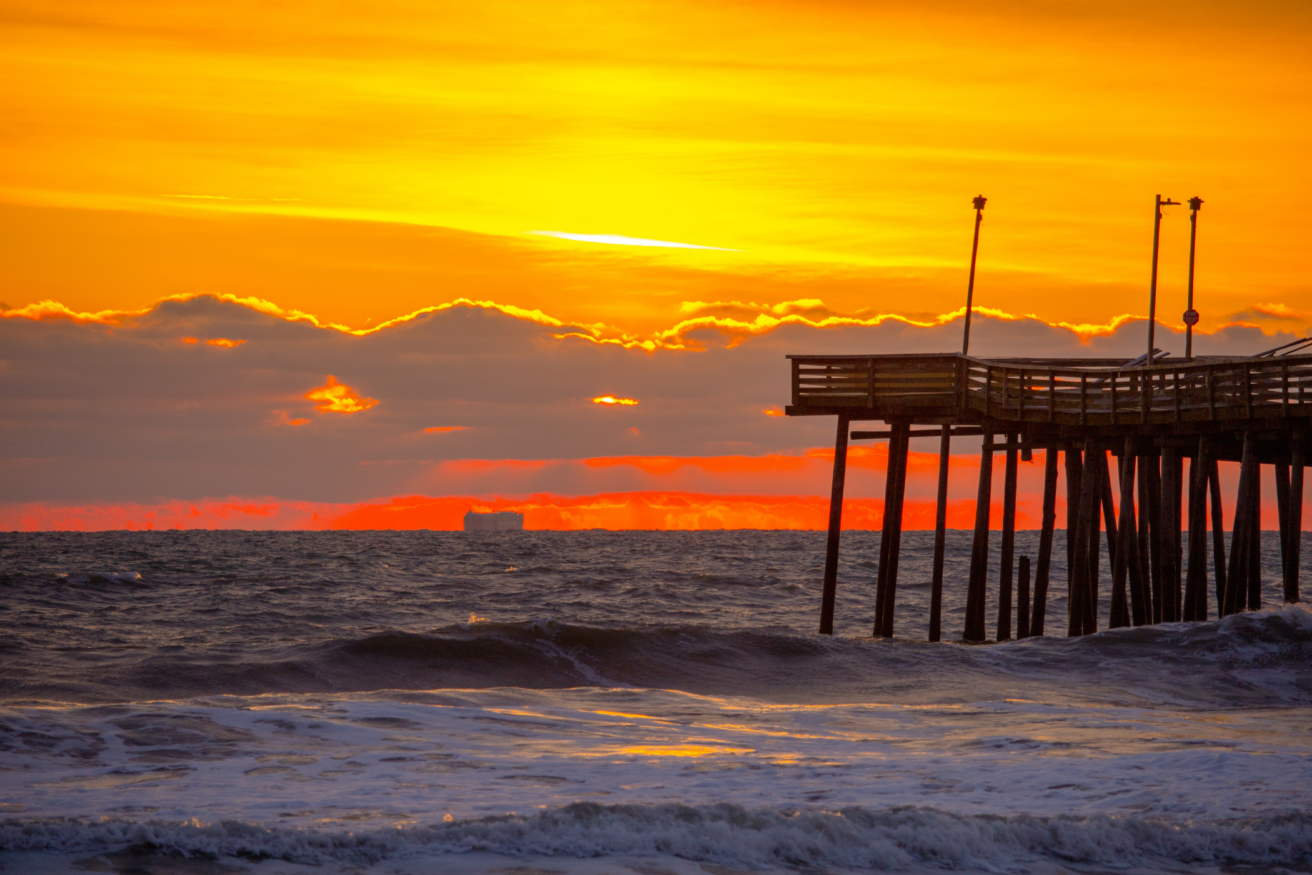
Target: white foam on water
x: 603, y: 772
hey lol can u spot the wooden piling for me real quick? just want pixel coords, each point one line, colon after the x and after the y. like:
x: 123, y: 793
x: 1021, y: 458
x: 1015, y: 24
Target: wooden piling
x: 1236, y: 588
x: 940, y: 538
x: 1195, y: 591
x: 829, y: 593
x: 1120, y: 612
x: 1145, y: 530
x: 1255, y: 543
x: 1008, y: 541
x: 894, y: 492
x: 1074, y: 533
x: 1086, y: 535
x: 1282, y: 511
x: 1023, y: 599
x: 1170, y: 538
x: 1109, y: 510
x: 979, y: 555
x: 1095, y: 473
x: 1045, y: 541
x: 1295, y: 520
x: 886, y: 533
x: 1218, y: 532
x: 1153, y: 498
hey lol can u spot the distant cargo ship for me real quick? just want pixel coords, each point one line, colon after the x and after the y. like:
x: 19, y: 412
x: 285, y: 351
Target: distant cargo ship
x: 504, y: 521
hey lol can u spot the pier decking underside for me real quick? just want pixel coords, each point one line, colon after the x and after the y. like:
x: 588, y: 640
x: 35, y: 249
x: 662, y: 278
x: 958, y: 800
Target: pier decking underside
x: 1251, y: 410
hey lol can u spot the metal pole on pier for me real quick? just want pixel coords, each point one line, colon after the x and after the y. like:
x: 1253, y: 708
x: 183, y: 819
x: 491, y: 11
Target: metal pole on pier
x: 979, y: 202
x: 1191, y: 315
x: 1152, y: 287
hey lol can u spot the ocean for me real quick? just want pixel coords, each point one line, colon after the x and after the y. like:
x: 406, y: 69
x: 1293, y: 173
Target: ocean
x: 632, y: 703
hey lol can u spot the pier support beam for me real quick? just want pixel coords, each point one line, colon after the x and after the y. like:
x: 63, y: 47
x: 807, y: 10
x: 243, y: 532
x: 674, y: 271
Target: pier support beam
x: 940, y: 538
x: 1095, y: 476
x: 1109, y: 510
x: 890, y: 544
x: 1008, y: 541
x: 1152, y: 497
x: 1218, y: 532
x: 1045, y: 541
x: 1236, y: 589
x: 1170, y: 538
x: 828, y: 596
x: 1255, y: 543
x: 1295, y: 517
x: 1074, y: 534
x: 1023, y: 599
x: 1127, y: 540
x: 979, y: 554
x: 1195, y: 590
x: 1282, y: 512
x: 1082, y: 598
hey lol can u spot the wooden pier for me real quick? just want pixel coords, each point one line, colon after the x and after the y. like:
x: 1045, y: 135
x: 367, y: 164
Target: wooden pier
x: 1252, y: 410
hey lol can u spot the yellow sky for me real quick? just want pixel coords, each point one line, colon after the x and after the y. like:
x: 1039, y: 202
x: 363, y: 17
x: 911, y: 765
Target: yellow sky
x: 404, y: 149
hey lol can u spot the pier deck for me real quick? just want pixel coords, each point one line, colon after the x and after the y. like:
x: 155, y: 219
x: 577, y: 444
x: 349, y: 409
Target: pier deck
x: 1253, y: 410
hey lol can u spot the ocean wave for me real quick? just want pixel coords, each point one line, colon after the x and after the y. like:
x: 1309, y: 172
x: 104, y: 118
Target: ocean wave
x: 723, y: 834
x: 1249, y: 659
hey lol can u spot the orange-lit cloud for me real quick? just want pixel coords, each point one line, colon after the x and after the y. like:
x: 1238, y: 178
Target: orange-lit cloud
x: 612, y: 400
x: 335, y: 397
x: 734, y: 320
x: 285, y: 418
x: 772, y: 411
x: 442, y: 429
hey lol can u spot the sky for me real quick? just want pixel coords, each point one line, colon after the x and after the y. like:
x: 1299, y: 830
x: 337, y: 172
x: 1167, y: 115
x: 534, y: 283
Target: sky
x: 316, y: 264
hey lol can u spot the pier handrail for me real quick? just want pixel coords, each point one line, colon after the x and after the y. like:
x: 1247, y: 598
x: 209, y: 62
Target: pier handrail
x: 1058, y: 391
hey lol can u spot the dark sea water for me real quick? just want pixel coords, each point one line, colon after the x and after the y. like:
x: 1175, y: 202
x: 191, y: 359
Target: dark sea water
x: 649, y: 702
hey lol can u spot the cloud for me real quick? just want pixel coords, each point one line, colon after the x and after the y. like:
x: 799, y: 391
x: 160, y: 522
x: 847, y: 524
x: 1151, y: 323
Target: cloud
x: 123, y: 412
x: 443, y: 429
x: 611, y: 401
x: 334, y: 397
x: 284, y: 418
x: 1269, y: 312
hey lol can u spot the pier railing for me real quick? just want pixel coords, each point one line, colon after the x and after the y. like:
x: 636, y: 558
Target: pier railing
x: 1065, y: 392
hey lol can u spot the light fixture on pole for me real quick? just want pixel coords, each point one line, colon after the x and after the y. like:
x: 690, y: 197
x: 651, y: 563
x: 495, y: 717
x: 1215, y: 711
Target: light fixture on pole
x: 978, y: 203
x: 1191, y: 315
x: 1152, y: 288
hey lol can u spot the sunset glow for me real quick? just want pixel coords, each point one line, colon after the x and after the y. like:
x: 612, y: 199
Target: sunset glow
x: 333, y: 397
x: 486, y: 216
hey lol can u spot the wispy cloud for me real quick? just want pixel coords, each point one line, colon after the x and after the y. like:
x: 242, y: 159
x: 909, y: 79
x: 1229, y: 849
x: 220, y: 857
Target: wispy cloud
x: 621, y: 240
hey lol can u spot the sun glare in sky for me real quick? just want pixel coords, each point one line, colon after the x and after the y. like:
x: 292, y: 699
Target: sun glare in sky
x: 619, y: 240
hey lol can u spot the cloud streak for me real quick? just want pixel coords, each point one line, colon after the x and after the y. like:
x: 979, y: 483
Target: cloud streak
x: 621, y: 240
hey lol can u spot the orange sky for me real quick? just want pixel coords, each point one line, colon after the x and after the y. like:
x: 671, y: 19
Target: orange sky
x: 476, y: 170
x: 359, y: 161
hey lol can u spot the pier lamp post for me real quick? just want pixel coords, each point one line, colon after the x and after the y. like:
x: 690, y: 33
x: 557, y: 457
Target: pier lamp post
x: 1152, y: 288
x: 1191, y: 315
x: 978, y: 201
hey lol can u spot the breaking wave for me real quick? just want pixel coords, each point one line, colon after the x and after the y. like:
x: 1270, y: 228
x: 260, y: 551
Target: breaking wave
x: 725, y: 834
